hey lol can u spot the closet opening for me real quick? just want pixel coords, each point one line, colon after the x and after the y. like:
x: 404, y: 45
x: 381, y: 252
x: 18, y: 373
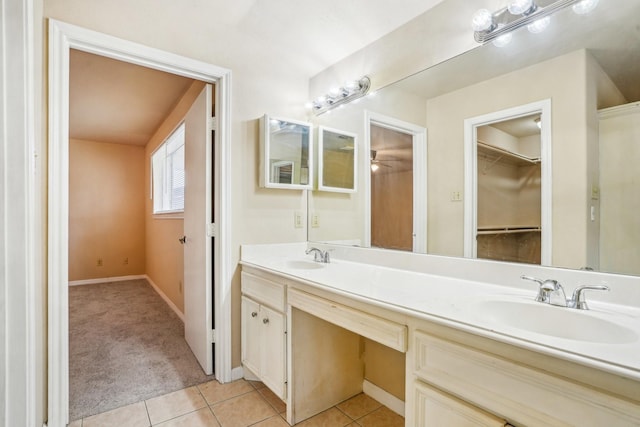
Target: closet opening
x: 509, y: 176
x: 507, y: 194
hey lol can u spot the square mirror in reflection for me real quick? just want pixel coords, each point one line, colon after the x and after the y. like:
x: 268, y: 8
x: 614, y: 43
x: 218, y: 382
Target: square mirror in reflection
x: 286, y: 153
x: 337, y: 160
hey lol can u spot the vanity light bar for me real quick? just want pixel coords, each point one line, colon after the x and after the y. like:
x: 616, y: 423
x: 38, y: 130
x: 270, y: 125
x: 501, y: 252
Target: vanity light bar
x: 488, y: 26
x: 342, y: 95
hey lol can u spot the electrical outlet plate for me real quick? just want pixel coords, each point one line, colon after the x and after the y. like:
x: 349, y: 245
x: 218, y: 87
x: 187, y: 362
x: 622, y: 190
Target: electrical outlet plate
x: 456, y: 196
x: 297, y: 219
x: 315, y: 222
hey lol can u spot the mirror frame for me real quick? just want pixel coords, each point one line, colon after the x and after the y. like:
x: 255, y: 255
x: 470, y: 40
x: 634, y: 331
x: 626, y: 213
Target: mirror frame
x: 265, y: 167
x: 321, y: 186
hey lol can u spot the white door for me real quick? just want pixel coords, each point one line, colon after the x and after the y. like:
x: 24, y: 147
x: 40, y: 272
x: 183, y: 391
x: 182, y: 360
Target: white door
x: 198, y: 260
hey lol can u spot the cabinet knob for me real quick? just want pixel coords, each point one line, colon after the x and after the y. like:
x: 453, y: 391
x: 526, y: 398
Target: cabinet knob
x: 254, y: 314
x: 265, y: 320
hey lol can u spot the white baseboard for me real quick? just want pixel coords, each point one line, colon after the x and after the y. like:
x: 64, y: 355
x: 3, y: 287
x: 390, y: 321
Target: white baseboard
x: 165, y: 298
x: 237, y: 373
x: 384, y: 397
x: 106, y: 280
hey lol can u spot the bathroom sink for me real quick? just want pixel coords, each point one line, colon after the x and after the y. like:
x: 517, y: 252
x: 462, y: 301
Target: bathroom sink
x: 304, y: 265
x: 559, y: 322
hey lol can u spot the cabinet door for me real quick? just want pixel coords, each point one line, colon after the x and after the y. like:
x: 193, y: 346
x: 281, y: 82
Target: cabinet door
x: 251, y: 335
x: 273, y: 350
x: 436, y: 408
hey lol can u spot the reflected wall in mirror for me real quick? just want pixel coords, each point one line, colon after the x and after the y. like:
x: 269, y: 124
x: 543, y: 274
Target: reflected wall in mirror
x: 582, y: 63
x: 337, y: 154
x: 286, y: 153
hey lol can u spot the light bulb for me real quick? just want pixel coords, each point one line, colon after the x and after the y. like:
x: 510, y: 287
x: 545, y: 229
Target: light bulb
x: 352, y: 85
x: 503, y: 40
x: 482, y: 20
x: 539, y: 25
x: 585, y: 6
x: 374, y: 167
x: 519, y: 7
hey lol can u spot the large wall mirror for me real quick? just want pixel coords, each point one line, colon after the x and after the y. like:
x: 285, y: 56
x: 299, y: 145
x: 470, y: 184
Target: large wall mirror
x: 582, y: 64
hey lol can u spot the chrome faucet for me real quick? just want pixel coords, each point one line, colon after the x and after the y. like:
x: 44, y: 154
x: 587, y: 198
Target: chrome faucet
x: 319, y: 255
x: 552, y: 292
x: 549, y: 292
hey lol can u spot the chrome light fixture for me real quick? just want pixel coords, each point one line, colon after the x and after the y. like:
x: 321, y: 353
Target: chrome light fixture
x: 534, y: 14
x: 350, y: 91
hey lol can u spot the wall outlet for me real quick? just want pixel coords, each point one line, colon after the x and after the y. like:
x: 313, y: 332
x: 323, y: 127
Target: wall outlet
x: 297, y: 219
x: 126, y: 261
x: 315, y: 222
x: 99, y: 262
x: 456, y: 196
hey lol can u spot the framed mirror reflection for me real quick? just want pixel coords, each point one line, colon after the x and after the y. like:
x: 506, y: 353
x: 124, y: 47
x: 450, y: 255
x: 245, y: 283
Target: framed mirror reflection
x: 286, y: 153
x: 337, y: 155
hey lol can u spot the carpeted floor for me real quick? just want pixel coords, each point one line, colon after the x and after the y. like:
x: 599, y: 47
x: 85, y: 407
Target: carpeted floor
x: 125, y: 345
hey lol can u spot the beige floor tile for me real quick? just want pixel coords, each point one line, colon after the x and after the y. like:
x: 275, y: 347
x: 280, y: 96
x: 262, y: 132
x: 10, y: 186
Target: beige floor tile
x: 382, y: 417
x: 359, y: 406
x: 215, y: 392
x: 257, y: 384
x: 200, y: 418
x: 243, y: 410
x: 174, y: 404
x: 134, y: 415
x: 275, y: 421
x: 273, y: 400
x: 76, y: 423
x: 330, y: 418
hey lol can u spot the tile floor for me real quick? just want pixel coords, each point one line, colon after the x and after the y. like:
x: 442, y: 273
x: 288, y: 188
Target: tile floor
x: 237, y: 404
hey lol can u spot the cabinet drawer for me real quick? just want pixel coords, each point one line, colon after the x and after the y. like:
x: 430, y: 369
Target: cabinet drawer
x: 436, y: 408
x: 384, y: 331
x: 521, y: 394
x: 263, y: 290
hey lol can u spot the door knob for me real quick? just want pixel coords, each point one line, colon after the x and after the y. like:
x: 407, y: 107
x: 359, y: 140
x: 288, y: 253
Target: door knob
x: 183, y: 240
x: 254, y: 314
x: 265, y: 320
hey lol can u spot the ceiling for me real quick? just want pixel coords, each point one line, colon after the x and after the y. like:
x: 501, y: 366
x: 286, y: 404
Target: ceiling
x: 116, y: 102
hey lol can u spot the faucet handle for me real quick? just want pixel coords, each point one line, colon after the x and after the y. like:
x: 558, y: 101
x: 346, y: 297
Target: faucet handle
x: 578, y: 301
x: 546, y: 286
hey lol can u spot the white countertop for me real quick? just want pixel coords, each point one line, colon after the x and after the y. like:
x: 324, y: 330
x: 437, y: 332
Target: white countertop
x: 462, y: 304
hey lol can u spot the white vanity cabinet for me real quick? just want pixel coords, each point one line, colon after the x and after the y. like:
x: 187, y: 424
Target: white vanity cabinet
x: 264, y: 331
x: 434, y: 407
x: 455, y: 383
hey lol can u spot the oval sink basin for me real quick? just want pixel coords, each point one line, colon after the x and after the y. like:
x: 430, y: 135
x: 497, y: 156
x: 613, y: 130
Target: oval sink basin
x: 304, y: 265
x: 554, y: 321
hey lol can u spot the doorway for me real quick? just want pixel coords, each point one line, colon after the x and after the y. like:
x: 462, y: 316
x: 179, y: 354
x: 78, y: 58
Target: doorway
x: 62, y: 38
x: 508, y: 185
x: 395, y: 184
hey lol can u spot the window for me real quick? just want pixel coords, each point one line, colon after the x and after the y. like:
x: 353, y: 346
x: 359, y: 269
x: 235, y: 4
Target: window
x: 167, y: 165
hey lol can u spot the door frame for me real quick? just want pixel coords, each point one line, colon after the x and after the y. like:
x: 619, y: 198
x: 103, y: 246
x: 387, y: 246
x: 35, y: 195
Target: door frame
x: 62, y: 38
x: 419, y: 136
x: 471, y: 172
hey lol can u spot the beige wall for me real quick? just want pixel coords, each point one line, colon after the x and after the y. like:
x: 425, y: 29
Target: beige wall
x: 106, y: 210
x: 620, y: 157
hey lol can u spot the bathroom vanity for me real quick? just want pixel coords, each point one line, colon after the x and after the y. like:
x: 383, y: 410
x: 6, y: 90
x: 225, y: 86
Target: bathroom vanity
x: 478, y: 349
